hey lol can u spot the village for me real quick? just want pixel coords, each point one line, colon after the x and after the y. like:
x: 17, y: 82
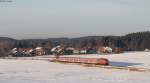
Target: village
x: 41, y: 51
x: 126, y: 66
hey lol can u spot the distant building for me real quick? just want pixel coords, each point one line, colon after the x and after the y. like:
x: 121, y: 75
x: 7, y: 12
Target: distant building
x: 68, y: 51
x: 39, y: 51
x: 22, y: 52
x: 108, y: 50
x: 14, y: 51
x: 76, y: 51
x: 83, y: 51
x: 80, y: 51
x: 104, y: 50
x: 146, y: 50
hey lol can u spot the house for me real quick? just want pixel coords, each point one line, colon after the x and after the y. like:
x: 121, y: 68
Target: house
x: 104, y: 50
x: 146, y: 50
x: 79, y: 51
x: 68, y: 51
x: 14, y: 51
x: 76, y: 51
x: 58, y: 50
x: 39, y: 51
x: 108, y: 50
x: 83, y: 51
x: 26, y: 51
x: 22, y: 52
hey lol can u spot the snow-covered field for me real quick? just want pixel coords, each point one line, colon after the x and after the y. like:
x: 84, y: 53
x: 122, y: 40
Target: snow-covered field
x: 128, y: 59
x: 36, y: 71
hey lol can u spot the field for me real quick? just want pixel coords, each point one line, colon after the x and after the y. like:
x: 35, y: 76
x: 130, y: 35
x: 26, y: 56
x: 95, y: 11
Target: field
x: 38, y: 71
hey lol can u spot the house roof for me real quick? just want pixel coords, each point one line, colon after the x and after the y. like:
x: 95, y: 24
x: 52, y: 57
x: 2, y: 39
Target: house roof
x: 25, y: 49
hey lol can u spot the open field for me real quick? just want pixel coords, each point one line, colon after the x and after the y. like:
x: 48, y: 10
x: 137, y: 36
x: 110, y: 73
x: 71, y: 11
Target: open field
x: 37, y: 71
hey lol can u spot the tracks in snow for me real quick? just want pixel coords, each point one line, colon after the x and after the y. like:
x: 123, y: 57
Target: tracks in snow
x: 131, y: 69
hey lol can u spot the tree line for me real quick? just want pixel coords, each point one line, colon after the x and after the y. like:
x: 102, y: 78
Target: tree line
x: 131, y: 42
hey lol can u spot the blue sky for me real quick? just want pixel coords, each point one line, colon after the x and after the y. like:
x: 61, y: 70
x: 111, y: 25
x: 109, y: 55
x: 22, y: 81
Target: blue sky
x: 24, y: 19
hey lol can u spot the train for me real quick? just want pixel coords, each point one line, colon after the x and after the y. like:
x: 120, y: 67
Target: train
x: 59, y: 50
x: 96, y: 61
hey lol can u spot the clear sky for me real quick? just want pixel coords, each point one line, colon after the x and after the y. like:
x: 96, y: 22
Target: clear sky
x: 24, y: 19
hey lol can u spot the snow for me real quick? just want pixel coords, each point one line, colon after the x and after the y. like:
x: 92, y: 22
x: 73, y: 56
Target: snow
x: 37, y: 71
x: 129, y: 59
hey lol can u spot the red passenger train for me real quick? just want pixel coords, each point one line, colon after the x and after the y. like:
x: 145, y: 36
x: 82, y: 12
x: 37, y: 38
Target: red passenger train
x: 96, y: 61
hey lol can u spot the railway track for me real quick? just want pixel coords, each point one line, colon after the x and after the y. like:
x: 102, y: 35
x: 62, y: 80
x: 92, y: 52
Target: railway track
x: 131, y: 69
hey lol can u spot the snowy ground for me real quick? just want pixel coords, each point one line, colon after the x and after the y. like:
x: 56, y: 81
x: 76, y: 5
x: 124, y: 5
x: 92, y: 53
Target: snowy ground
x: 36, y: 71
x: 131, y: 59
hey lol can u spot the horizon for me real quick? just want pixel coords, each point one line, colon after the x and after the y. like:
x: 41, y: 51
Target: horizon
x: 32, y: 19
x: 72, y: 37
